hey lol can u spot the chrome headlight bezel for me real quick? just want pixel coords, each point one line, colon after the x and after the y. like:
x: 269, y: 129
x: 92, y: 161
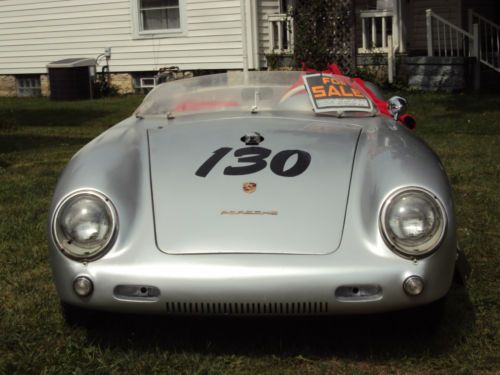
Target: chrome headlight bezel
x: 425, y: 248
x: 72, y: 250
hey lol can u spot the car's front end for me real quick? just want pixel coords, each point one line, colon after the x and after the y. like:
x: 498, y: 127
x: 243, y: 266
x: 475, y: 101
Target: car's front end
x: 253, y: 213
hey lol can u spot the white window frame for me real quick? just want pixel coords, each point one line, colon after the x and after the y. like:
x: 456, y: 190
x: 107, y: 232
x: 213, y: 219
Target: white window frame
x: 143, y: 82
x: 138, y: 33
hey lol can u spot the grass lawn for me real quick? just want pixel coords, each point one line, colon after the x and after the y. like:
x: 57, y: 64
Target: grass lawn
x: 37, y: 137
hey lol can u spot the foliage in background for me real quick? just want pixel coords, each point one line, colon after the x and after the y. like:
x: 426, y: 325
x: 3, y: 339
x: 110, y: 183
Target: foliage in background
x: 103, y: 88
x: 273, y: 60
x: 324, y: 34
x: 279, y: 61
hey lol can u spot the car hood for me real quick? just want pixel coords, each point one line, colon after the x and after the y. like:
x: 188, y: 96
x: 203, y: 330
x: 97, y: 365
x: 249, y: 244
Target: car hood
x: 213, y: 193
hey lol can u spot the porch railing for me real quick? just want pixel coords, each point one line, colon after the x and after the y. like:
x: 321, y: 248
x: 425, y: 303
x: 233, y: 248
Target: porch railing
x: 280, y: 33
x: 489, y: 39
x: 446, y: 39
x: 376, y: 25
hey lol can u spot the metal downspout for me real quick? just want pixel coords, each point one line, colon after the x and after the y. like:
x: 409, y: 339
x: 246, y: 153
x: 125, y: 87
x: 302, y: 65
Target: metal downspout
x: 244, y: 36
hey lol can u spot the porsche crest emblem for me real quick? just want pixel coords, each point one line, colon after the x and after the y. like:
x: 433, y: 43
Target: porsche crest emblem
x: 249, y: 187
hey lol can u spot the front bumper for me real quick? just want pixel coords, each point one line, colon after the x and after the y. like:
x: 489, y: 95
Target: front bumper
x: 252, y: 284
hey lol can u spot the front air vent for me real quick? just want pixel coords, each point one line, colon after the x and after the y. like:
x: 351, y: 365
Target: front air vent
x: 247, y: 308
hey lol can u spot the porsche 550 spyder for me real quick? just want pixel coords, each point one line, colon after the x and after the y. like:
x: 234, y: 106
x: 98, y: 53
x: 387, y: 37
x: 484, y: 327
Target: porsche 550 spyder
x: 257, y: 193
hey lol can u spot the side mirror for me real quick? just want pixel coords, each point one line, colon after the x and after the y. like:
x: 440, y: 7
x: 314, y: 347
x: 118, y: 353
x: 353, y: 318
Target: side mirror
x: 397, y: 106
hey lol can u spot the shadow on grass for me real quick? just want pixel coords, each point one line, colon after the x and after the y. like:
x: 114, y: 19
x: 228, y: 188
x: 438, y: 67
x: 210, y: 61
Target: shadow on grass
x: 52, y: 117
x: 469, y: 103
x: 460, y: 102
x: 14, y: 142
x: 408, y: 334
x: 464, y: 114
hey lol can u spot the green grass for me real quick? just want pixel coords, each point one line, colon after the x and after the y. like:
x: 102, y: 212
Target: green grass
x: 37, y: 137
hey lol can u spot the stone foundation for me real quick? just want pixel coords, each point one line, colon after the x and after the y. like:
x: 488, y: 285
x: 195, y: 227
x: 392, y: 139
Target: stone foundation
x: 375, y: 73
x: 184, y: 74
x: 422, y: 73
x: 436, y: 73
x: 45, y: 84
x: 373, y: 67
x: 282, y: 62
x: 8, y: 85
x: 123, y: 83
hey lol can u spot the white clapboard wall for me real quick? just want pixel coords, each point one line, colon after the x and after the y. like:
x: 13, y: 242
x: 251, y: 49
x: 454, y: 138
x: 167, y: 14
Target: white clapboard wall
x: 36, y: 32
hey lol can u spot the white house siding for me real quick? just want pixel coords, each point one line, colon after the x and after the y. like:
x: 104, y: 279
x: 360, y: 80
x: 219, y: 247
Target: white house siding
x: 36, y: 32
x: 415, y: 11
x: 265, y: 7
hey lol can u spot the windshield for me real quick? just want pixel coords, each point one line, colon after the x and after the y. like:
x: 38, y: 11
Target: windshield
x: 256, y: 92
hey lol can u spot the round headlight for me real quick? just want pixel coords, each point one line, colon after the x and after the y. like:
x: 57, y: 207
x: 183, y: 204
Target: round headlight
x: 84, y: 224
x: 413, y: 222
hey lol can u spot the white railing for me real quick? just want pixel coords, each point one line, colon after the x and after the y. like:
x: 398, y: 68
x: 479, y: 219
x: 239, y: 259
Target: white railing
x: 280, y: 33
x: 447, y: 39
x: 376, y: 25
x: 380, y: 34
x: 489, y: 39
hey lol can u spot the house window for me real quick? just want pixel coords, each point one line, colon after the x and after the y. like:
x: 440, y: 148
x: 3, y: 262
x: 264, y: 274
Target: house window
x: 159, y: 15
x: 28, y: 86
x: 143, y: 82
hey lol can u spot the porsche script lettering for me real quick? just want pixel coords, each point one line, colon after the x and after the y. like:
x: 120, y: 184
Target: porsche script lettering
x: 248, y: 212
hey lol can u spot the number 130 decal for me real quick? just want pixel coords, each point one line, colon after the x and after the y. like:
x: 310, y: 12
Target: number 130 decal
x: 255, y: 157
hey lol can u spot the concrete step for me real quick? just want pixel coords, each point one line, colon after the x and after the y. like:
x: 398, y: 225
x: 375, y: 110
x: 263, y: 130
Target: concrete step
x: 436, y: 73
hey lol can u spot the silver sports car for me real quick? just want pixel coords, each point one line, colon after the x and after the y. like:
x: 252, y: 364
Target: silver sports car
x: 259, y: 193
